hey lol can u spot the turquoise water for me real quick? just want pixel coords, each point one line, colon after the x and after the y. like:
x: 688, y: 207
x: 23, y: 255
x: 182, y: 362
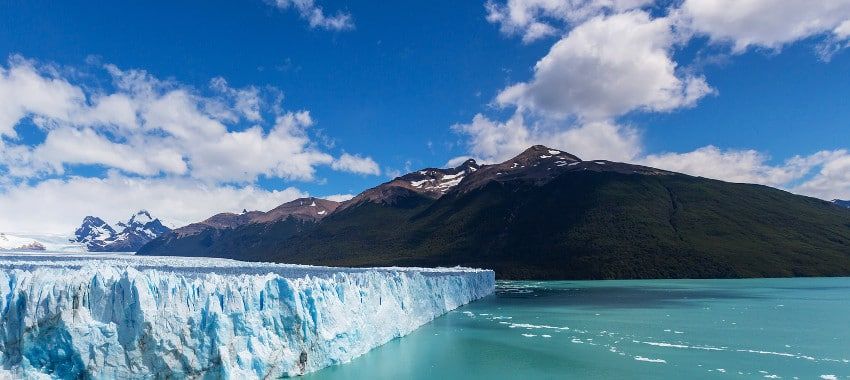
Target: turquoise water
x: 659, y: 329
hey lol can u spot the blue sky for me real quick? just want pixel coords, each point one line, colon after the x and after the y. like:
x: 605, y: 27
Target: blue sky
x: 396, y: 86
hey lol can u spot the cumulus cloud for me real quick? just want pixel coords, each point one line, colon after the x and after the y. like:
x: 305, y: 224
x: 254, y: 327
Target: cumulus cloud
x: 764, y: 23
x: 338, y: 197
x: 606, y: 67
x: 535, y: 19
x: 179, y: 151
x: 494, y: 141
x: 315, y: 15
x: 614, y: 57
x: 746, y: 166
x: 831, y: 179
x: 58, y: 205
x: 356, y: 164
x: 24, y: 91
x: 150, y: 127
x: 824, y: 174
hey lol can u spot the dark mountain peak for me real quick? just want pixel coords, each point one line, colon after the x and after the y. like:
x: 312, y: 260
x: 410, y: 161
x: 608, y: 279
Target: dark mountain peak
x: 308, y: 209
x: 468, y: 164
x: 841, y: 203
x: 541, y: 152
x: 93, y: 229
x: 429, y: 183
x: 137, y: 220
x: 93, y: 221
x: 227, y: 219
x: 540, y: 164
x: 304, y: 209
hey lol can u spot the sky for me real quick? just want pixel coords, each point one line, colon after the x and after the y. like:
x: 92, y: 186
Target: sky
x: 187, y: 109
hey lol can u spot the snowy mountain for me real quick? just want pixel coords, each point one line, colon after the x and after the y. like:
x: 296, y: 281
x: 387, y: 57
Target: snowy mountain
x: 841, y: 203
x: 18, y: 243
x: 99, y: 236
x: 136, y: 317
x: 94, y: 233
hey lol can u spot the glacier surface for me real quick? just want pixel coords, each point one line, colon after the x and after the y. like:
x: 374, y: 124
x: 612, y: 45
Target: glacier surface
x: 121, y: 316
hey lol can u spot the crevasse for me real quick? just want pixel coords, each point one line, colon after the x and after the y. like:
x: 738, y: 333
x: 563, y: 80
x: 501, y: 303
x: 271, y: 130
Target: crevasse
x: 155, y: 318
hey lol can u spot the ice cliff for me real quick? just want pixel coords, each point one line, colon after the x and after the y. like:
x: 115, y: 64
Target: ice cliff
x: 151, y: 317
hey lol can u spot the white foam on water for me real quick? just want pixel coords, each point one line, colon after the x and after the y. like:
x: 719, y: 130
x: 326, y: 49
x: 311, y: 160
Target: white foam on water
x: 650, y: 360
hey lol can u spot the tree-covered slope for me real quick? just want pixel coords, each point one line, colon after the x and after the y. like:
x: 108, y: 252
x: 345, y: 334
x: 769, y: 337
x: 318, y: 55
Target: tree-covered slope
x: 590, y: 225
x: 546, y: 214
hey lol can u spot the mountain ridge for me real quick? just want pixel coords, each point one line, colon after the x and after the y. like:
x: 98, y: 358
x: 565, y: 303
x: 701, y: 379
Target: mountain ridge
x: 548, y: 214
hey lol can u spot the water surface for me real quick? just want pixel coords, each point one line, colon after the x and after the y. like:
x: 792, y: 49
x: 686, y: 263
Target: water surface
x: 658, y: 329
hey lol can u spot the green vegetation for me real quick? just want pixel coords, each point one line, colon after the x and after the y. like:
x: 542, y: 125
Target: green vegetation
x: 581, y: 225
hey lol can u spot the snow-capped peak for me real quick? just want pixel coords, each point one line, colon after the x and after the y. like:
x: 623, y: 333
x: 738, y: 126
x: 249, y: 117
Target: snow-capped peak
x: 98, y: 235
x: 142, y: 217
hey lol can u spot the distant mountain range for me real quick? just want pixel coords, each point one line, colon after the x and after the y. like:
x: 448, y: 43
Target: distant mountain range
x: 19, y: 243
x: 544, y: 214
x: 98, y: 236
x: 841, y: 203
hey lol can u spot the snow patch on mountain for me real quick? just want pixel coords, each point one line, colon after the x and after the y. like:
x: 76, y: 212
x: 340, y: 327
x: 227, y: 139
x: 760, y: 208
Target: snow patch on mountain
x: 112, y: 316
x: 98, y: 236
x: 18, y: 243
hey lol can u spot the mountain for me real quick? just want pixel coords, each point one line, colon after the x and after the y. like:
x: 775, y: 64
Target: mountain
x: 205, y: 238
x: 547, y: 214
x: 18, y: 243
x: 99, y: 236
x: 841, y: 203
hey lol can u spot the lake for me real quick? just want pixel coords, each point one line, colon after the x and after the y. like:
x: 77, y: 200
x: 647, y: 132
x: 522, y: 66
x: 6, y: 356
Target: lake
x: 653, y: 329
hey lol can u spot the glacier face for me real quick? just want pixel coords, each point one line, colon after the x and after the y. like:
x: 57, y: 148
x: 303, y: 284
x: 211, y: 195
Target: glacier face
x: 120, y: 316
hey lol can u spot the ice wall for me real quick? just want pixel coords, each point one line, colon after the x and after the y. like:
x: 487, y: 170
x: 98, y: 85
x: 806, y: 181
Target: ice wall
x: 152, y: 318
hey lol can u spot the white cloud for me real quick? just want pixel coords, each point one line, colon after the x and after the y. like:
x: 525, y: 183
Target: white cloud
x: 85, y: 146
x: 746, y: 166
x: 338, y: 197
x: 167, y: 147
x: 606, y: 67
x: 824, y: 174
x: 831, y: 179
x: 150, y: 127
x: 535, y: 19
x: 24, y: 91
x: 356, y: 164
x: 315, y: 15
x: 58, y: 205
x: 493, y: 141
x: 765, y: 23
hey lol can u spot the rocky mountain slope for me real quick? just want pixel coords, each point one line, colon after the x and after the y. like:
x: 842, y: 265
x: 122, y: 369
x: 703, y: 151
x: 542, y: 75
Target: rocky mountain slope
x: 547, y: 214
x: 202, y: 238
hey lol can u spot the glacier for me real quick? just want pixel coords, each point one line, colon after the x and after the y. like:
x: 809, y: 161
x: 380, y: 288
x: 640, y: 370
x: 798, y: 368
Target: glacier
x: 124, y: 316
